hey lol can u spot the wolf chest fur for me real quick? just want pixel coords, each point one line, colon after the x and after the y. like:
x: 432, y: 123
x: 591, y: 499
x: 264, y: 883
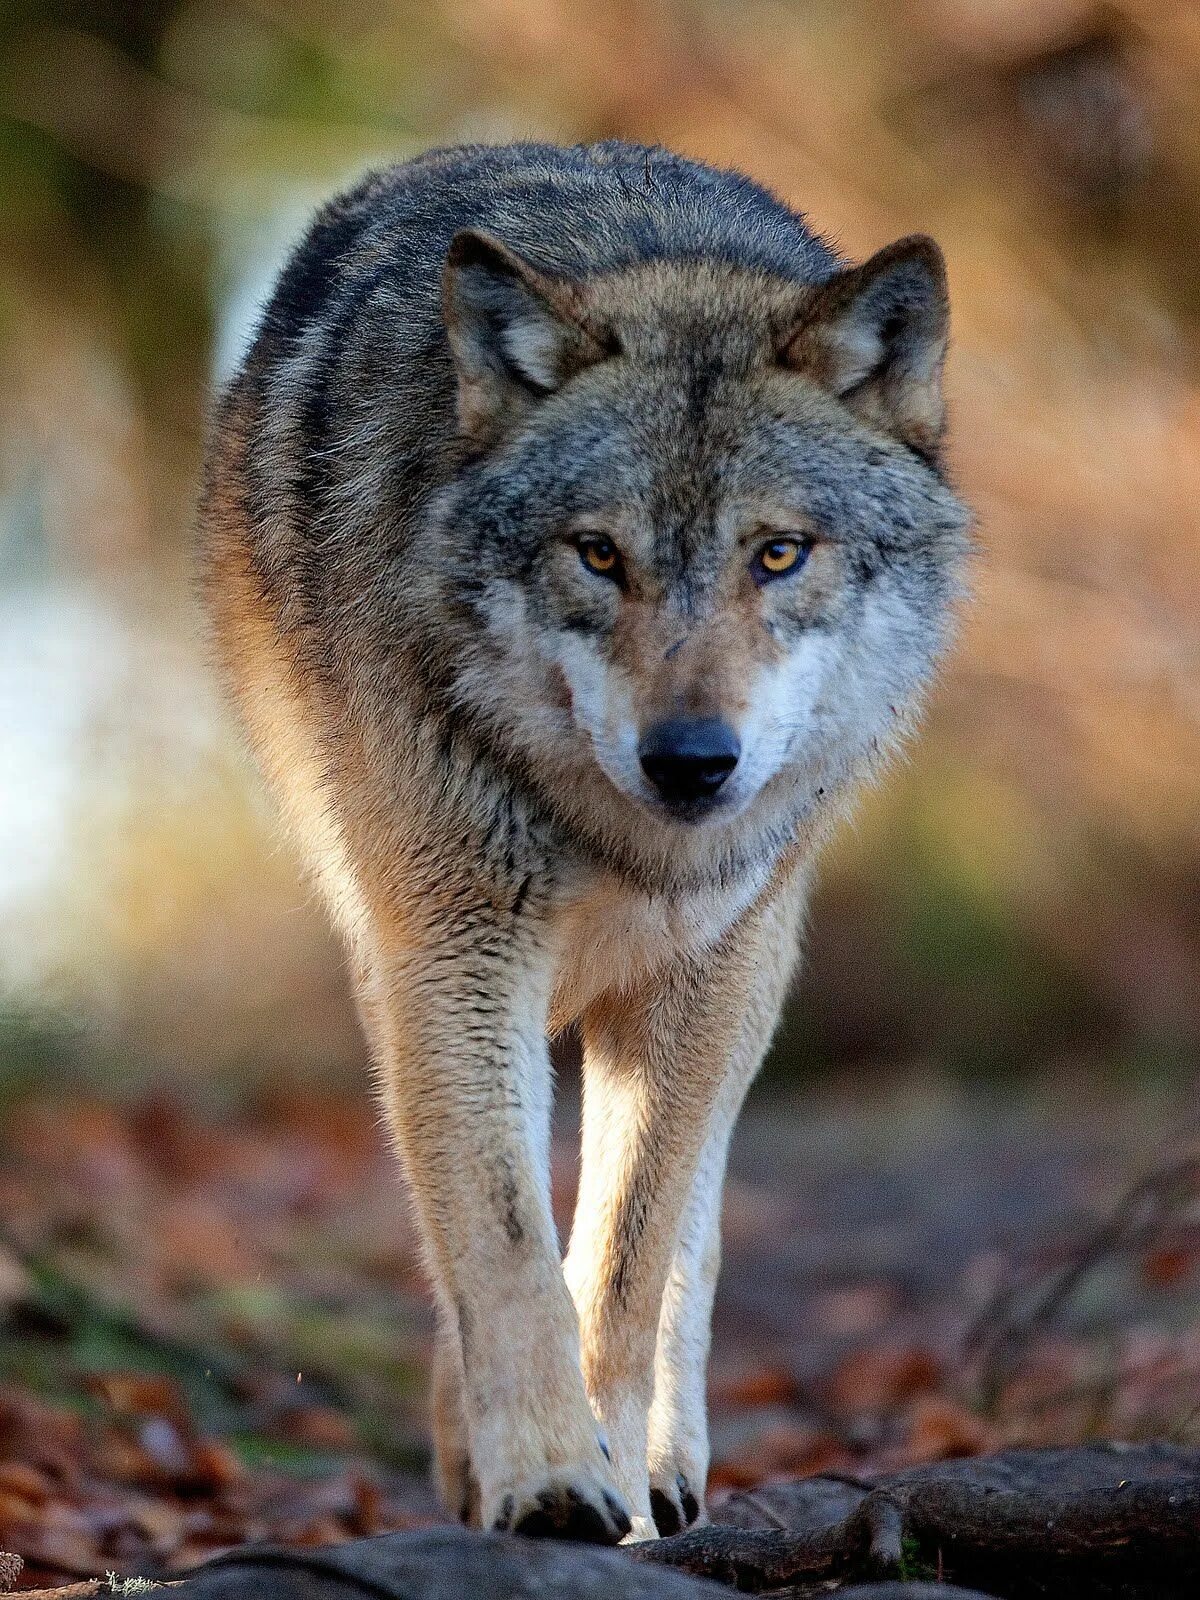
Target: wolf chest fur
x: 576, y: 539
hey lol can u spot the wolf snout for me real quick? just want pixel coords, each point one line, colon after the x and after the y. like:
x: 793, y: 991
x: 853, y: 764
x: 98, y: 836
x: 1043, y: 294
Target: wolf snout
x: 687, y: 759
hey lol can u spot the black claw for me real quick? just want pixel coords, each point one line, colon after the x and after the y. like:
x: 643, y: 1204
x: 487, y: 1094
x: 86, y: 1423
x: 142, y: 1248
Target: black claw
x: 618, y: 1513
x: 504, y: 1521
x: 665, y: 1513
x: 691, y: 1506
x: 604, y: 1450
x: 584, y: 1522
x: 671, y: 1514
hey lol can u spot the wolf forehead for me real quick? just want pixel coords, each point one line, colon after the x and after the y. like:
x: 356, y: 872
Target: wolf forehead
x: 683, y: 412
x: 708, y: 315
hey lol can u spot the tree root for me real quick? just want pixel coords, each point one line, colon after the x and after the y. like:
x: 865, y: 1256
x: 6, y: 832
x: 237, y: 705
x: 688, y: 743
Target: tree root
x: 1103, y: 1520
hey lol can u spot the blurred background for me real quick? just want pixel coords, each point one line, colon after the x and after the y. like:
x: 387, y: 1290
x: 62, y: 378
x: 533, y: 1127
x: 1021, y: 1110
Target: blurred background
x: 965, y: 1208
x: 1022, y: 896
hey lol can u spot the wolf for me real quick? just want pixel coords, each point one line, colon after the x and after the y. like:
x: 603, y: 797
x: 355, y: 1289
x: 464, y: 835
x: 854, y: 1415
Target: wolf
x: 577, y: 539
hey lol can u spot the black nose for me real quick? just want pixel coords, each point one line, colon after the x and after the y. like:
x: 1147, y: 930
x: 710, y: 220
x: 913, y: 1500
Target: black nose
x: 687, y: 759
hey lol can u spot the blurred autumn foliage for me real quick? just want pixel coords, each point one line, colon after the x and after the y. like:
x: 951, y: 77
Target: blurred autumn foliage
x: 1025, y: 888
x: 213, y: 1328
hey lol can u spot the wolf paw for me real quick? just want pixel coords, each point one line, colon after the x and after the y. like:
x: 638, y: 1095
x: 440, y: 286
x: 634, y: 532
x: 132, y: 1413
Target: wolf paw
x: 674, y: 1503
x: 569, y: 1505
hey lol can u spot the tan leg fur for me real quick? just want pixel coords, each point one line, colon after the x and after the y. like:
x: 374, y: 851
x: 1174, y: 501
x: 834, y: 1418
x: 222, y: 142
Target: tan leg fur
x: 666, y: 1068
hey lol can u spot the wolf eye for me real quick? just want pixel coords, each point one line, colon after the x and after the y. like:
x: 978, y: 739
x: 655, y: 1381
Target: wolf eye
x: 779, y: 556
x: 599, y: 554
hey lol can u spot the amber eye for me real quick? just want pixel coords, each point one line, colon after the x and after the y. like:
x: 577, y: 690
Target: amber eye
x: 599, y: 554
x: 779, y: 556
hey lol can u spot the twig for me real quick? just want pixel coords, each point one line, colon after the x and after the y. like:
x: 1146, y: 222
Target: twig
x: 1002, y: 1333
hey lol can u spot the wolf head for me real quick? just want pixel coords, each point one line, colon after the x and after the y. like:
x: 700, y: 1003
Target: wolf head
x: 700, y: 522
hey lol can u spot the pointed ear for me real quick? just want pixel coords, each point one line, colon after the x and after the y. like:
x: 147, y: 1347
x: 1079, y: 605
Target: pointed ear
x: 515, y: 334
x: 876, y: 336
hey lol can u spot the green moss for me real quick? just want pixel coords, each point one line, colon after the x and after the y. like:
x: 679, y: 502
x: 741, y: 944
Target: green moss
x: 913, y: 1568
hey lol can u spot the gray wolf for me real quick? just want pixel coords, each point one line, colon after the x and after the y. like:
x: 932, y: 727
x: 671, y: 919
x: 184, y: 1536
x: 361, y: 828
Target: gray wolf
x: 576, y: 539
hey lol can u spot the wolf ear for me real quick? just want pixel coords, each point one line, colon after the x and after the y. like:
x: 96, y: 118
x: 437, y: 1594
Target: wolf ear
x: 876, y: 336
x: 515, y: 334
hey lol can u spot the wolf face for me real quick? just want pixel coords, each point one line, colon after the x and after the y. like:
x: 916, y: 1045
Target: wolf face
x: 704, y: 525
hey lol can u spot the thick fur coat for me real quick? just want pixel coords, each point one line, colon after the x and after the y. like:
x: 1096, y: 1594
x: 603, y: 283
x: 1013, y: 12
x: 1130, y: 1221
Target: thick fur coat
x: 575, y: 538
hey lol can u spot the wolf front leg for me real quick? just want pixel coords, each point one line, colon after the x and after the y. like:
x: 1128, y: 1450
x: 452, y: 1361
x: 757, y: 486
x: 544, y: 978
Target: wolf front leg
x: 678, y: 1438
x: 666, y: 1072
x: 657, y: 1064
x: 456, y: 1011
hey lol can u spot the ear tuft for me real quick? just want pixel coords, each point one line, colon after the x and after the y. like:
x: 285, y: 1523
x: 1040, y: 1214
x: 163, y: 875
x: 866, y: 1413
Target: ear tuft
x: 515, y: 334
x: 876, y: 337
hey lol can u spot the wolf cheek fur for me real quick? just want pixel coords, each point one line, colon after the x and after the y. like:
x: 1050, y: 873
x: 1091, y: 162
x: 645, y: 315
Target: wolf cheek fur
x: 575, y: 539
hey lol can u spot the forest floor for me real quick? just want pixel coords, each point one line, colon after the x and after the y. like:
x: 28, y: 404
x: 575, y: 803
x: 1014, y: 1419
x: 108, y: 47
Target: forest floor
x: 213, y: 1327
